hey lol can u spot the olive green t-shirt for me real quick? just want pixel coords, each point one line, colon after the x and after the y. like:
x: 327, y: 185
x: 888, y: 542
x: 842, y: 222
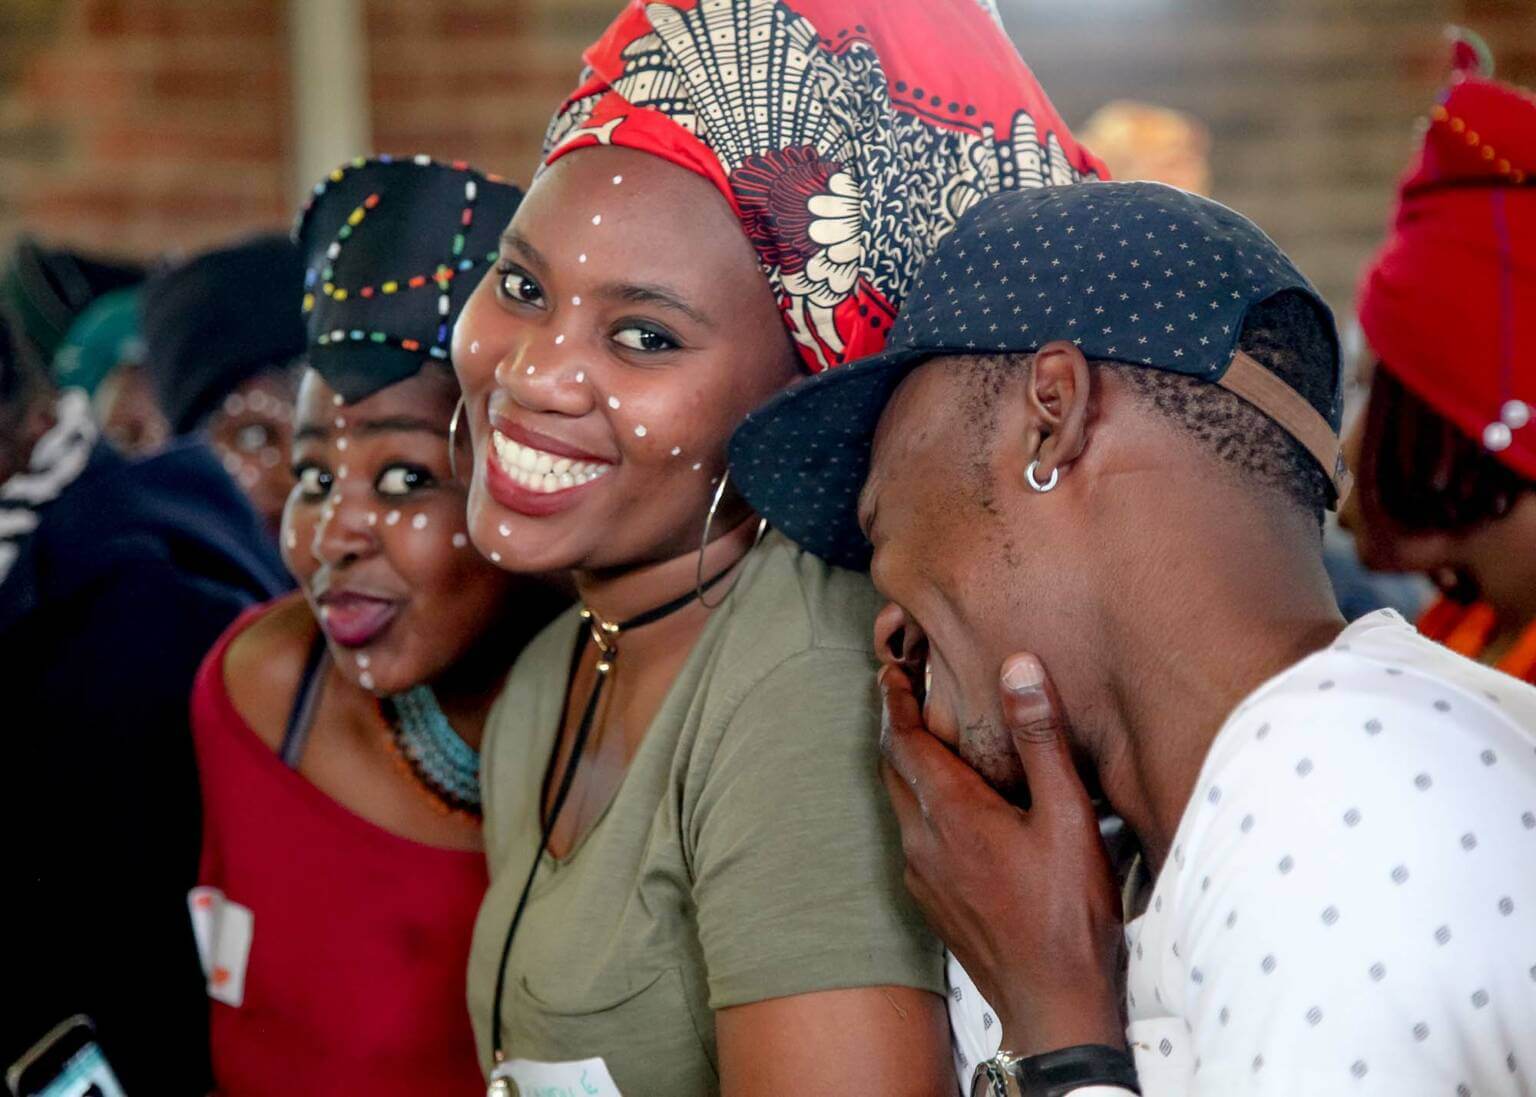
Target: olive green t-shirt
x: 749, y: 853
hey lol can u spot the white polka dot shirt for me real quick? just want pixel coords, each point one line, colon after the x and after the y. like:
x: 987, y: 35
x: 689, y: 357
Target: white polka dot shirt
x: 1349, y: 906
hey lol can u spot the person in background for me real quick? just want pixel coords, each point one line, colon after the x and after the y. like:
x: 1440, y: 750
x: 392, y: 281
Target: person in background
x: 115, y: 577
x: 1340, y: 822
x: 695, y: 883
x: 47, y: 288
x: 1157, y: 144
x: 103, y: 354
x: 222, y: 338
x: 337, y: 728
x: 1445, y: 449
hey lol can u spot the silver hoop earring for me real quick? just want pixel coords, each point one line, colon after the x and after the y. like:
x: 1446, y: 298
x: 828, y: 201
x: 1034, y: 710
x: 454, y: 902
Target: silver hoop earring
x: 1029, y: 477
x: 453, y: 438
x: 709, y: 520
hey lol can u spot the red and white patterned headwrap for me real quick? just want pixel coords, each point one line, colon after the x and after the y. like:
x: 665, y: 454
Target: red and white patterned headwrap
x: 847, y: 135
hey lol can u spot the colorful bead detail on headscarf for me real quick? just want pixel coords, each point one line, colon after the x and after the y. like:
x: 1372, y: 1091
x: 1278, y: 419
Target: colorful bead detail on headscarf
x: 392, y: 250
x: 847, y: 135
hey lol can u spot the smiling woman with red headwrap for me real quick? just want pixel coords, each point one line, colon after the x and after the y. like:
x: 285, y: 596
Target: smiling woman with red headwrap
x: 1446, y: 448
x: 696, y: 887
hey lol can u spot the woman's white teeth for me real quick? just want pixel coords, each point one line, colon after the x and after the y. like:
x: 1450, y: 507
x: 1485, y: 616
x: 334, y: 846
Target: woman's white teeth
x: 540, y: 471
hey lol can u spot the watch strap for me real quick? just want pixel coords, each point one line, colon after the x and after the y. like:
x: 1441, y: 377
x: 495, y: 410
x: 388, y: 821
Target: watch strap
x: 1055, y: 1073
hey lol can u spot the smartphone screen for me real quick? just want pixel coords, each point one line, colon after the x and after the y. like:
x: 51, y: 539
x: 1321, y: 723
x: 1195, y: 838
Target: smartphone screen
x: 65, y: 1063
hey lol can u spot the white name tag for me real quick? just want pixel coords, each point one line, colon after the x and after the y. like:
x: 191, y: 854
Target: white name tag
x: 222, y: 929
x: 578, y: 1078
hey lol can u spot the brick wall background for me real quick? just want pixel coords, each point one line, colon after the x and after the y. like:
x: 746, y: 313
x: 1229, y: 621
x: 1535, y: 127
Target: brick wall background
x: 134, y: 126
x: 1312, y: 104
x: 138, y: 126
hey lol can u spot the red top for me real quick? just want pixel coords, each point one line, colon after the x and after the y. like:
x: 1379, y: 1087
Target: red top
x: 360, y: 938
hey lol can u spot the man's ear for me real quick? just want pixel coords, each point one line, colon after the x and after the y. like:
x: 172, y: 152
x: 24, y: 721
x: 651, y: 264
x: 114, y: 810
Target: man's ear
x: 1059, y: 389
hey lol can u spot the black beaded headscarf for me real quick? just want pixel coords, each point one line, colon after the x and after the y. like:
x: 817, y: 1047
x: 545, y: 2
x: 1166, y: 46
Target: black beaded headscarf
x: 392, y: 250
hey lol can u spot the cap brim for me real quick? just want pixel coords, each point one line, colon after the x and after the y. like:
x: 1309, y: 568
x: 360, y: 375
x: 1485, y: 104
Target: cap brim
x: 801, y: 459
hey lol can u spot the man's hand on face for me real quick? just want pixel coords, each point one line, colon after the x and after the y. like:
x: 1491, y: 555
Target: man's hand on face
x: 1025, y: 899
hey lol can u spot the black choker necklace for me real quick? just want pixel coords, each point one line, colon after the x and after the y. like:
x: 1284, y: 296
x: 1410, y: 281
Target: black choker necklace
x: 605, y: 635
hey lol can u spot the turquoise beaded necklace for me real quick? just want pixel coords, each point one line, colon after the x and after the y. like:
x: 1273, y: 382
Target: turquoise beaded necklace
x: 442, y: 761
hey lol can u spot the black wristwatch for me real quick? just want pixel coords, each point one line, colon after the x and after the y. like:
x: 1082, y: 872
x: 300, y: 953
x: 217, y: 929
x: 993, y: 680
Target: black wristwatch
x: 1054, y: 1073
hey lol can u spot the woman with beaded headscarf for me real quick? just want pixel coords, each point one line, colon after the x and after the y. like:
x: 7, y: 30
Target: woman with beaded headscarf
x: 1445, y: 450
x: 336, y: 728
x: 695, y: 887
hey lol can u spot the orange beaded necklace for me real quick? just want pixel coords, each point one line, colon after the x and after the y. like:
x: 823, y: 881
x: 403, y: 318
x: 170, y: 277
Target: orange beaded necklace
x: 1467, y: 630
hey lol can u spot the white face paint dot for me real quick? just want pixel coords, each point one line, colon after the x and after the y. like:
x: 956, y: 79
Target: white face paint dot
x: 597, y: 219
x: 697, y: 465
x: 677, y: 451
x: 640, y: 430
x: 530, y: 371
x: 459, y: 540
x: 576, y: 300
x: 581, y: 375
x: 392, y: 518
x: 341, y: 472
x: 419, y: 522
x: 341, y: 443
x: 559, y: 339
x: 373, y: 518
x: 582, y: 258
x: 291, y: 539
x: 504, y: 529
x: 474, y: 347
x: 341, y: 424
x: 365, y: 680
x: 495, y: 557
x: 337, y: 400
x: 617, y: 179
x: 362, y: 660
x: 613, y: 402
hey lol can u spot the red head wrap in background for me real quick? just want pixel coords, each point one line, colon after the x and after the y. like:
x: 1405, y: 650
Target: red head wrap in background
x: 1449, y: 303
x: 847, y: 135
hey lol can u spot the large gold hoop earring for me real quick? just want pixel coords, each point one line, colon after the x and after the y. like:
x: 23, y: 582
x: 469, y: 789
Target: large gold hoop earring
x: 709, y: 521
x: 453, y: 438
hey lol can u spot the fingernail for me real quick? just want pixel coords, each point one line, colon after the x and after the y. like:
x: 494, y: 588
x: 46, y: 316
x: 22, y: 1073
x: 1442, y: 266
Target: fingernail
x: 1023, y: 673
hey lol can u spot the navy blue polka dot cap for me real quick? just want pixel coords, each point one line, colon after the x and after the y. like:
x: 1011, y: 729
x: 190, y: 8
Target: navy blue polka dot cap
x: 1137, y: 273
x: 392, y: 250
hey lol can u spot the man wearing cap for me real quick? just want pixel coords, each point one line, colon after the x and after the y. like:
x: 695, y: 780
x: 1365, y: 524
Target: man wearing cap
x: 1101, y: 443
